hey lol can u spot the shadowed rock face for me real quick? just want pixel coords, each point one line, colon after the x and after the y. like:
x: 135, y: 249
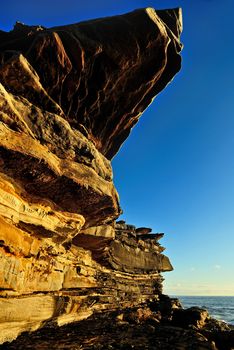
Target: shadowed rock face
x: 69, y: 97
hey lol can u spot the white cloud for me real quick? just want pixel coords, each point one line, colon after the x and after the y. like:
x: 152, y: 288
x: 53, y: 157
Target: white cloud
x: 217, y: 267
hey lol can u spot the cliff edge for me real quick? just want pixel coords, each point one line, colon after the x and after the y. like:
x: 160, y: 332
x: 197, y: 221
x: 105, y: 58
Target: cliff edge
x: 69, y: 97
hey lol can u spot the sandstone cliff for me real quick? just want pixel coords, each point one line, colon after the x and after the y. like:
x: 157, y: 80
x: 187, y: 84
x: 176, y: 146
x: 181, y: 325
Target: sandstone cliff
x: 69, y: 97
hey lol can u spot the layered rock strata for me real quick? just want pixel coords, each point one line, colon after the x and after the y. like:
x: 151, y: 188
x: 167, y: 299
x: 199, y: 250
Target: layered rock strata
x: 69, y: 97
x: 161, y: 325
x: 42, y: 281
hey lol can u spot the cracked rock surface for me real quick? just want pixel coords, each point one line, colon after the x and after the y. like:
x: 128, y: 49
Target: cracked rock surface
x: 69, y: 97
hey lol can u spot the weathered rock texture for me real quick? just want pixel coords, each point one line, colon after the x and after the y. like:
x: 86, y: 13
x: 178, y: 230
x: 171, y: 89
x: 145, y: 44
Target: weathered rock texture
x: 69, y: 97
x: 155, y: 327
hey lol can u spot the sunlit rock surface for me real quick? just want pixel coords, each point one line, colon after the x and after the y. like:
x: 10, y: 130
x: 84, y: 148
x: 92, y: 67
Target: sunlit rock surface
x: 97, y: 75
x: 69, y: 97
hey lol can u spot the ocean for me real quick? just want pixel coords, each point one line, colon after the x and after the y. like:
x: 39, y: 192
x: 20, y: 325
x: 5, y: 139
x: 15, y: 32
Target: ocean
x: 221, y: 308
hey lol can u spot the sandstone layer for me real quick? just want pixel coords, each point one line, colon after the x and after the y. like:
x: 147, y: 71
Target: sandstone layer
x: 160, y: 326
x: 69, y: 97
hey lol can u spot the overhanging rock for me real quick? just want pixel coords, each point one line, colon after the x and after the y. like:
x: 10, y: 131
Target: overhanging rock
x: 69, y: 97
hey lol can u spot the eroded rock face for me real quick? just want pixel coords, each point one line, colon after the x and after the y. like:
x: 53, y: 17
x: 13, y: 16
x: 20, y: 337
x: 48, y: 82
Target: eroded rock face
x: 69, y: 97
x: 102, y: 73
x: 138, y: 328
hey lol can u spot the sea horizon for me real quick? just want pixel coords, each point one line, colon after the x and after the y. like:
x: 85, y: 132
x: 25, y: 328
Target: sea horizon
x: 202, y: 295
x: 219, y: 307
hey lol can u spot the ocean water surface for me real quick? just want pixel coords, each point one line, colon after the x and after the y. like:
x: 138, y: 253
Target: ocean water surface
x: 221, y: 308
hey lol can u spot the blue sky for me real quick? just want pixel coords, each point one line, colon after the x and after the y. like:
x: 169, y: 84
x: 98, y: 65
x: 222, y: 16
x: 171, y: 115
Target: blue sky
x: 175, y: 173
